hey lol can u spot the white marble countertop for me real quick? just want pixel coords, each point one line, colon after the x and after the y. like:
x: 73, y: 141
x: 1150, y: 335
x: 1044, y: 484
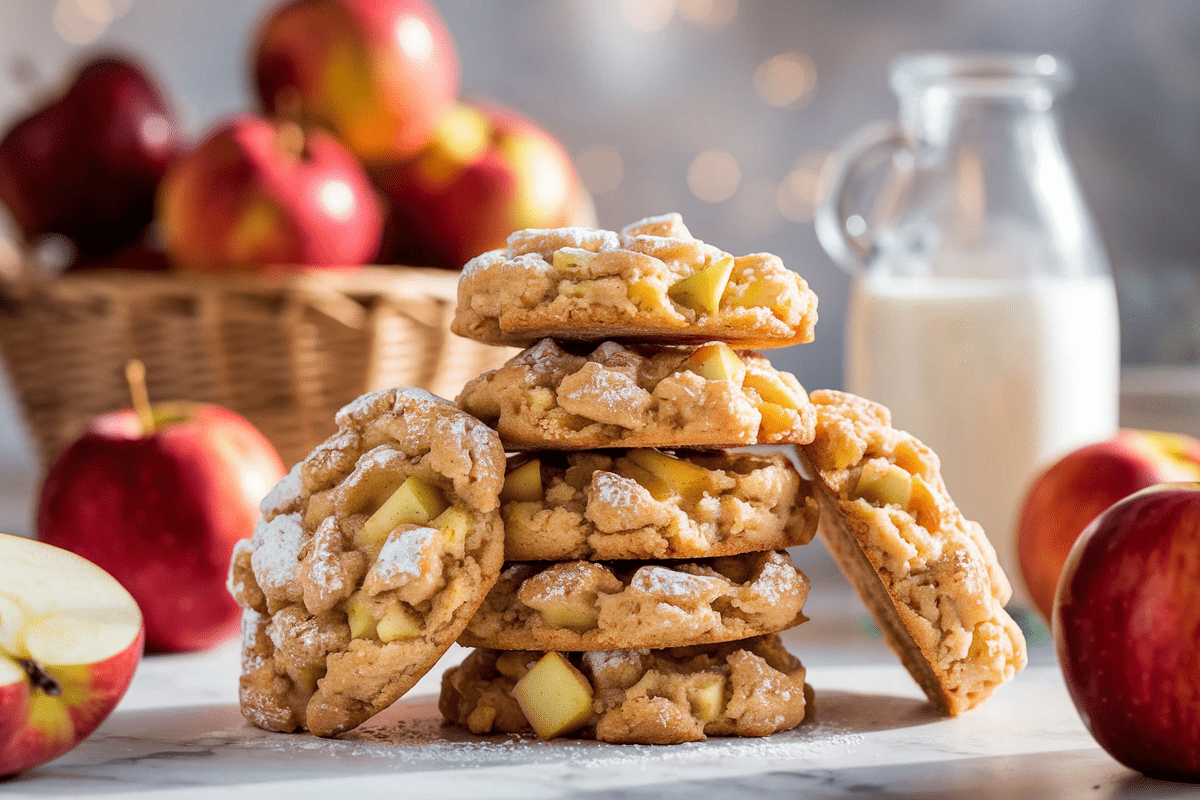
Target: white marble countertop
x: 178, y: 733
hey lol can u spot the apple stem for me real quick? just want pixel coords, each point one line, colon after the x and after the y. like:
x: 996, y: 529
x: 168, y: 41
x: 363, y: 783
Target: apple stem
x: 40, y: 678
x: 135, y: 375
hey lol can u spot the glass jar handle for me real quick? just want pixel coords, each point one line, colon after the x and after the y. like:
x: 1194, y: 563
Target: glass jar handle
x: 861, y: 155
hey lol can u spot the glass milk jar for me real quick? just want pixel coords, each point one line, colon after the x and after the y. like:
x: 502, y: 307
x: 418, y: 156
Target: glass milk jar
x: 982, y: 310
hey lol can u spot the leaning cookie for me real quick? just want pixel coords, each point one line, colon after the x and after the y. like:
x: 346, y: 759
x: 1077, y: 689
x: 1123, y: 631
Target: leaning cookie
x: 637, y: 396
x: 585, y: 605
x: 929, y: 576
x: 752, y: 687
x: 647, y: 504
x: 653, y: 281
x: 371, y: 558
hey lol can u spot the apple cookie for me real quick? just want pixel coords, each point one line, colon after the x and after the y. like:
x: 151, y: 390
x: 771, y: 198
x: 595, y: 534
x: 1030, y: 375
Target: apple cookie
x: 706, y: 396
x: 753, y: 687
x: 586, y: 605
x: 929, y: 576
x: 646, y: 504
x: 652, y: 282
x: 372, y: 555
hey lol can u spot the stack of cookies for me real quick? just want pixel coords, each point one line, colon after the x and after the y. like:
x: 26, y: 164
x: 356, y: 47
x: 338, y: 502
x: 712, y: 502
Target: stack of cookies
x: 646, y: 580
x: 622, y: 571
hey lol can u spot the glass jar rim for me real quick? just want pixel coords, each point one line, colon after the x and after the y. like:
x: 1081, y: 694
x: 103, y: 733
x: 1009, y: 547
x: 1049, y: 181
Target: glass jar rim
x: 980, y: 73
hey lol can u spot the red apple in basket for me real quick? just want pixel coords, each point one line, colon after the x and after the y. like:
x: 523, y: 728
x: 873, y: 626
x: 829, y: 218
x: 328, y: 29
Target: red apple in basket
x: 1126, y: 626
x: 258, y: 193
x: 86, y: 165
x: 486, y: 173
x: 378, y: 73
x: 1070, y: 493
x: 159, y: 499
x: 70, y: 641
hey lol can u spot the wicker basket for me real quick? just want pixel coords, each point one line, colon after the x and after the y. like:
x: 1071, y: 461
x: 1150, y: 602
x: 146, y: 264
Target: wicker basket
x: 285, y: 352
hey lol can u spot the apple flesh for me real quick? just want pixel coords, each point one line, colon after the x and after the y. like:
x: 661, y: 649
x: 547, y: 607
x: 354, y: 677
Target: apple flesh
x: 486, y: 173
x: 70, y: 641
x: 87, y: 164
x: 378, y: 73
x: 258, y: 194
x: 162, y: 512
x: 1070, y: 493
x: 1126, y: 624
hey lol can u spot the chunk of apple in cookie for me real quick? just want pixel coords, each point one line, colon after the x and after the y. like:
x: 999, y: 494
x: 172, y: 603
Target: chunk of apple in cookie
x: 415, y: 502
x: 454, y: 525
x: 884, y: 484
x: 716, y: 361
x: 555, y: 697
x: 702, y: 291
x: 772, y: 389
x: 681, y: 476
x: 397, y: 624
x: 523, y: 484
x: 708, y: 699
x: 775, y: 418
x: 359, y: 617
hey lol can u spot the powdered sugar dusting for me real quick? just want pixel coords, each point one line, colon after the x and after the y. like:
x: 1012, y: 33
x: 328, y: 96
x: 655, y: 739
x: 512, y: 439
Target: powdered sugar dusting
x: 613, y: 389
x: 667, y: 584
x: 285, y: 493
x: 600, y: 660
x: 324, y: 570
x: 481, y: 262
x: 615, y: 491
x: 776, y: 577
x: 400, y: 558
x: 276, y: 557
x: 537, y: 239
x: 240, y: 547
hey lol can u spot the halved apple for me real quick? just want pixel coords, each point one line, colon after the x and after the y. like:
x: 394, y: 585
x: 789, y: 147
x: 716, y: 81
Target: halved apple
x: 554, y: 696
x: 415, y: 502
x: 70, y: 640
x: 702, y: 291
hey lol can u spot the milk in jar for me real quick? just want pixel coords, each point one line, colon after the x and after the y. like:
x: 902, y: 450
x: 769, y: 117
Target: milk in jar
x: 999, y: 377
x: 982, y: 311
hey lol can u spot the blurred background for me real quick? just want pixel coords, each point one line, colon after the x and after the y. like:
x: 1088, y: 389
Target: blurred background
x: 726, y: 111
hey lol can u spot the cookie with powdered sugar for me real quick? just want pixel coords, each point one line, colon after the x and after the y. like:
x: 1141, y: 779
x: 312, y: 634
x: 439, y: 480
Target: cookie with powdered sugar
x: 372, y: 555
x: 652, y: 281
x: 588, y: 605
x: 928, y: 575
x: 753, y: 687
x: 646, y: 504
x: 556, y: 397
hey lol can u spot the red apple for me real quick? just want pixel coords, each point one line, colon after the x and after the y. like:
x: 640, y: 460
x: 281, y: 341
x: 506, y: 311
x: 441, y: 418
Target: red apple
x: 486, y: 173
x: 162, y: 512
x: 86, y: 165
x: 378, y: 73
x: 70, y: 641
x: 1126, y: 625
x: 258, y: 193
x: 1069, y: 494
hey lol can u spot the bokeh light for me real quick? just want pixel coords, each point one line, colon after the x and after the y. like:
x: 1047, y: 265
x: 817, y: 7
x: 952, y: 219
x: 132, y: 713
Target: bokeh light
x: 787, y: 79
x: 714, y: 176
x: 647, y: 16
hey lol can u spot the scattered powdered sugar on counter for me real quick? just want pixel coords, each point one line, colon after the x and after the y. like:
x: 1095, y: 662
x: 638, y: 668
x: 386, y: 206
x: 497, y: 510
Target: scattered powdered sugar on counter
x: 430, y: 744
